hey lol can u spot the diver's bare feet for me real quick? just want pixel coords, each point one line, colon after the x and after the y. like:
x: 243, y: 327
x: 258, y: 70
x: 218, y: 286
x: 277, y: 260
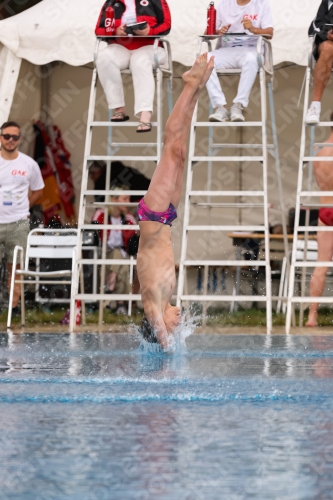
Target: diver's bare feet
x: 207, y: 73
x: 194, y: 76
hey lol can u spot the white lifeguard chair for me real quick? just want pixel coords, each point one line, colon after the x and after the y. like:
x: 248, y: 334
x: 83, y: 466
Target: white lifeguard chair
x: 115, y: 152
x: 241, y: 154
x: 305, y: 201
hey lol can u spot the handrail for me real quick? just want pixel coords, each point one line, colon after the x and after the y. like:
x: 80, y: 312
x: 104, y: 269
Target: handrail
x: 98, y: 41
x: 310, y: 50
x: 167, y: 48
x: 267, y: 64
x: 311, y: 59
x: 201, y: 41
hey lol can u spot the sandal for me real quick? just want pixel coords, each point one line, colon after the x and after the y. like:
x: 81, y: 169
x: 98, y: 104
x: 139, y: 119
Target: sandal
x: 143, y: 124
x: 119, y: 117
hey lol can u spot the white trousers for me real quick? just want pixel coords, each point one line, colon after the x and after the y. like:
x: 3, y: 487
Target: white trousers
x: 244, y: 58
x: 115, y: 58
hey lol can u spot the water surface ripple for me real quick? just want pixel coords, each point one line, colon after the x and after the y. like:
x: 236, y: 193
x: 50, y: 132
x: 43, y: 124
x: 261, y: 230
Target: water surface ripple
x: 235, y: 417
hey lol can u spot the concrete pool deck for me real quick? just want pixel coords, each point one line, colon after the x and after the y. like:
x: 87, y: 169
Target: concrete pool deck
x: 228, y: 330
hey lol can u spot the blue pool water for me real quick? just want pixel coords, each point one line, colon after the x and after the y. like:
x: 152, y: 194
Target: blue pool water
x: 92, y: 417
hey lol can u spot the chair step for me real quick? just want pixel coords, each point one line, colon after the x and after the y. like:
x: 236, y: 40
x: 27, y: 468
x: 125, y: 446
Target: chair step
x: 321, y: 124
x: 225, y: 298
x: 134, y: 144
x: 106, y: 296
x: 117, y: 227
x: 240, y: 146
x: 116, y: 124
x: 226, y: 193
x: 308, y: 300
x: 240, y: 229
x: 115, y: 192
x: 315, y: 158
x: 220, y: 263
x: 122, y: 158
x: 315, y: 193
x: 105, y: 204
x: 314, y: 229
x: 314, y: 263
x: 228, y: 124
x: 227, y: 158
x: 316, y: 205
x: 230, y: 205
x: 100, y: 262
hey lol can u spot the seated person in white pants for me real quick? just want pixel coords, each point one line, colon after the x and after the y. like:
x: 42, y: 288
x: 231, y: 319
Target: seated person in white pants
x: 237, y: 16
x: 135, y: 53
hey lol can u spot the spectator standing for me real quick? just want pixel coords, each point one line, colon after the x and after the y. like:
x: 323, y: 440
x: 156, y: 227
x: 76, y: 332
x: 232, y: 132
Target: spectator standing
x: 21, y: 185
x: 323, y: 53
x: 136, y: 53
x: 250, y: 17
x: 324, y: 176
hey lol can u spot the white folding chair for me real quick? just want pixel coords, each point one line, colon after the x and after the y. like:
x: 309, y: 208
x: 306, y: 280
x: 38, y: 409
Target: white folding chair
x: 42, y: 244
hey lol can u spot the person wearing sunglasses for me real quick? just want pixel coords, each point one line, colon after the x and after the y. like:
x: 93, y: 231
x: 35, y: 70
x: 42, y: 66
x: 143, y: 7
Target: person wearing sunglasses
x: 21, y: 185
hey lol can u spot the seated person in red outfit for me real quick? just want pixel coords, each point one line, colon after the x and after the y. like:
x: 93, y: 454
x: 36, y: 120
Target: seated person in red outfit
x: 135, y: 53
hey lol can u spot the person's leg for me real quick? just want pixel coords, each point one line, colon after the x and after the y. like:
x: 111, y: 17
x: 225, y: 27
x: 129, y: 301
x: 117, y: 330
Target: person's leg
x: 122, y: 282
x: 322, y: 74
x: 247, y: 60
x: 223, y: 59
x: 111, y: 273
x: 317, y: 285
x: 323, y: 69
x: 162, y: 186
x: 142, y: 65
x: 110, y: 62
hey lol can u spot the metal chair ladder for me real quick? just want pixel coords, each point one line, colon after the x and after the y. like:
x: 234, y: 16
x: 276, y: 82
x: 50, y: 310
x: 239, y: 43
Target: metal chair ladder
x: 304, y: 201
x: 265, y: 68
x: 154, y: 153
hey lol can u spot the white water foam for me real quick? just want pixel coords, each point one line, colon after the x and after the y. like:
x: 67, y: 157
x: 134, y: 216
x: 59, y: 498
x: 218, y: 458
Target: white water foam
x: 186, y: 329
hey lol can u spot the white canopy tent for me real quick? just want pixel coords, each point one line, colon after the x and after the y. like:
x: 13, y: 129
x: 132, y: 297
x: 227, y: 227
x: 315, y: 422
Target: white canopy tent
x: 63, y: 30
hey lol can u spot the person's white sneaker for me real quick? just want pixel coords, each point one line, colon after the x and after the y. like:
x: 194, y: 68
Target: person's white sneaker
x: 313, y: 115
x: 221, y: 114
x: 236, y: 114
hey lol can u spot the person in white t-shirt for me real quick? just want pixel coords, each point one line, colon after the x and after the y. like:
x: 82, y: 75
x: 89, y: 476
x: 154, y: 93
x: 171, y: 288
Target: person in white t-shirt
x: 21, y: 185
x: 247, y: 17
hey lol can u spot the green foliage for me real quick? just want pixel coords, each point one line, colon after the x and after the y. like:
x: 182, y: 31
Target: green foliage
x: 217, y: 317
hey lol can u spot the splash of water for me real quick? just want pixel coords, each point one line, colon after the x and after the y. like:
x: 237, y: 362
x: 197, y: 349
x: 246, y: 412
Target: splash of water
x: 187, y: 327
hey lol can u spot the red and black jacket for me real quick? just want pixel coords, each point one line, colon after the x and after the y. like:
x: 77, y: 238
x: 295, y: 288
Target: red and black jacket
x: 155, y: 12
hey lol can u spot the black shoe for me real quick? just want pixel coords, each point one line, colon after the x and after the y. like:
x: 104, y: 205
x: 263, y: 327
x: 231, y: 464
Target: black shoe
x: 16, y: 311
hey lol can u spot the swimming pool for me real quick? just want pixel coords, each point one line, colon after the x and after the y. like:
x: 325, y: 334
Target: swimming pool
x: 92, y: 417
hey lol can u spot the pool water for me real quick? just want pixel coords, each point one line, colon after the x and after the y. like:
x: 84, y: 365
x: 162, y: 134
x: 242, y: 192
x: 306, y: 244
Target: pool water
x: 94, y: 417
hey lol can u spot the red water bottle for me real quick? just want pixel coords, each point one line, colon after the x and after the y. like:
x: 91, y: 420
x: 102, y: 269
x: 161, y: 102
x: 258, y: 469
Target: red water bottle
x: 211, y: 19
x: 109, y: 21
